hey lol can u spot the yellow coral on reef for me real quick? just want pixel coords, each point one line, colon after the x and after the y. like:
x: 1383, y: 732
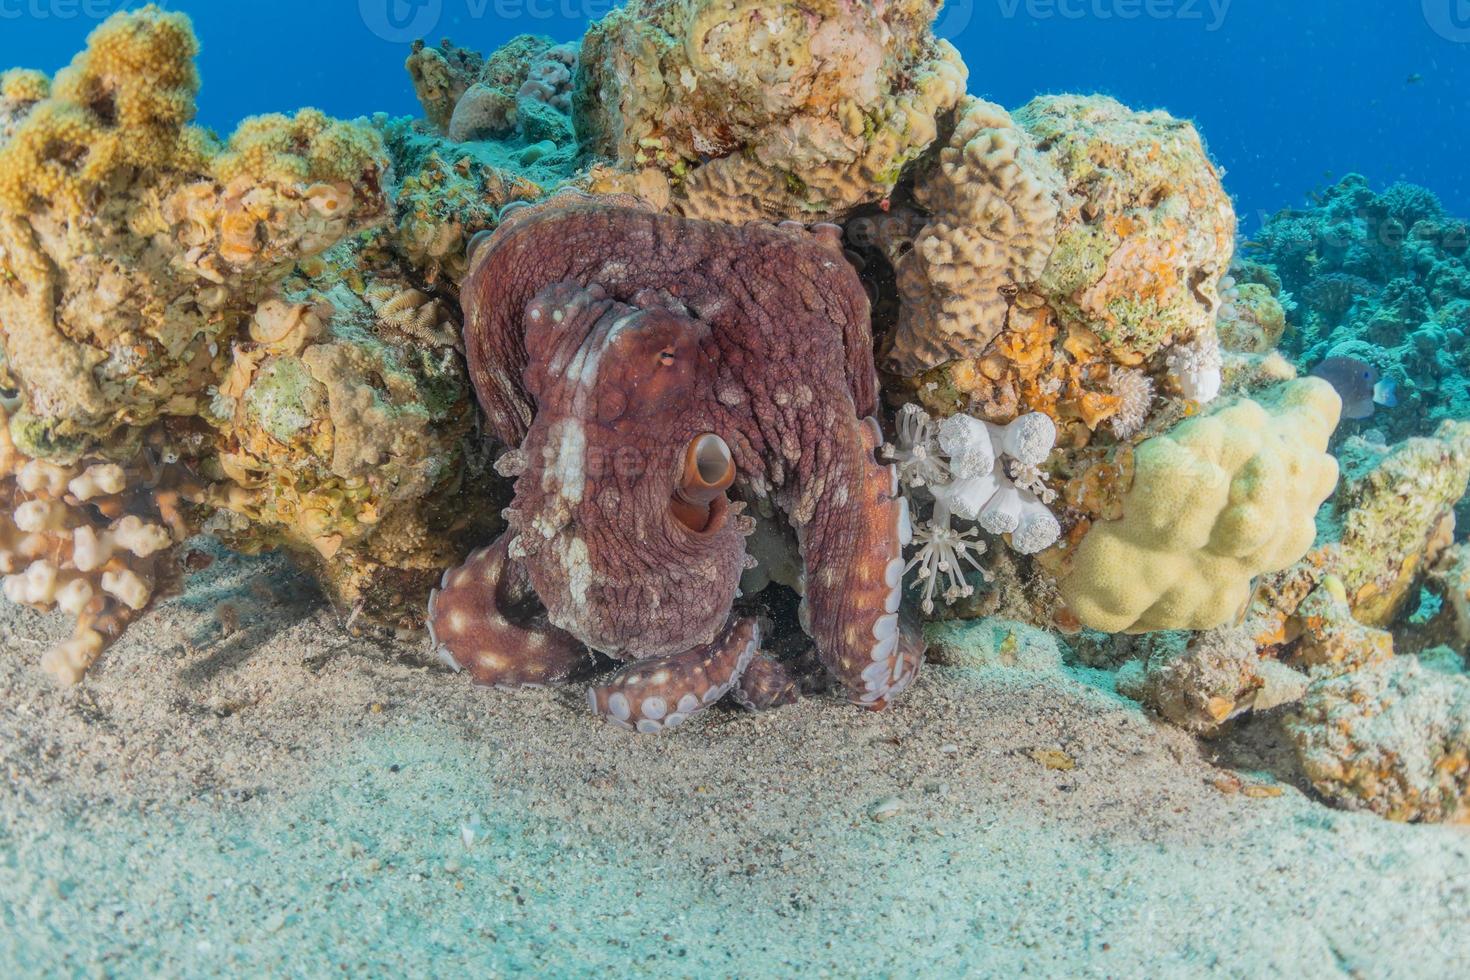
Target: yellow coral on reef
x: 758, y: 110
x: 1221, y: 499
x: 132, y: 247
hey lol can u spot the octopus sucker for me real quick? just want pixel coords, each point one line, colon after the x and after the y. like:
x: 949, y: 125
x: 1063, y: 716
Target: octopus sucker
x: 665, y: 698
x: 638, y: 380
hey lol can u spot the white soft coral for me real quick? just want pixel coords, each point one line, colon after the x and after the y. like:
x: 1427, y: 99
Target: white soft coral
x: 944, y: 557
x: 976, y: 472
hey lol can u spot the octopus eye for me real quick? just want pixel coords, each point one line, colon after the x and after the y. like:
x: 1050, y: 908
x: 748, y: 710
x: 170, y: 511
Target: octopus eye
x: 666, y: 357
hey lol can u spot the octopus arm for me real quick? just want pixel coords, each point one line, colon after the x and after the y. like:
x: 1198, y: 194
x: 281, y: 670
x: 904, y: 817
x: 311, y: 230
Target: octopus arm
x: 852, y: 548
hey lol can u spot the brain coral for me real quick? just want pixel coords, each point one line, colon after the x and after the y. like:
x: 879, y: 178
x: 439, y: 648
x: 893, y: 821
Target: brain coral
x: 132, y: 247
x: 751, y: 110
x: 1110, y: 222
x: 1216, y: 502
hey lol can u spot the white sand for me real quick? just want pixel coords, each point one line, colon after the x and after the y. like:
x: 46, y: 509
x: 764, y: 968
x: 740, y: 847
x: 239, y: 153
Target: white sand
x: 209, y: 805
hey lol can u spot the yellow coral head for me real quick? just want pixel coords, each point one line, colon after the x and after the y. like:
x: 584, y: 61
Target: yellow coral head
x: 1221, y: 499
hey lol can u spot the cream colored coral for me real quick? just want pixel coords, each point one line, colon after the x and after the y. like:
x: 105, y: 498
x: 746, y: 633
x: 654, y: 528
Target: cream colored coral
x: 1216, y: 502
x: 761, y: 110
x: 995, y: 207
x: 86, y: 539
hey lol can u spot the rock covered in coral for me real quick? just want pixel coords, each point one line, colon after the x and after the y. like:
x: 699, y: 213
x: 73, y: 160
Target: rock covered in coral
x: 1385, y: 278
x: 1066, y: 242
x: 1198, y: 683
x: 1216, y: 502
x: 1392, y: 738
x: 132, y: 247
x: 759, y: 111
x: 524, y: 87
x: 346, y: 434
x: 447, y: 193
x: 1252, y: 319
x: 1395, y: 515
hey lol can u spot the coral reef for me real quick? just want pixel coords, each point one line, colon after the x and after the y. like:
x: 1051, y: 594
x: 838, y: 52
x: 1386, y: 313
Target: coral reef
x: 132, y: 248
x: 177, y: 329
x: 1221, y: 499
x: 1382, y: 278
x: 346, y: 434
x: 743, y: 112
x: 1392, y: 738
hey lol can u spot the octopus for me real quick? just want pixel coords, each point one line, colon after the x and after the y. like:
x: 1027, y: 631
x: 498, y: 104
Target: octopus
x: 655, y: 375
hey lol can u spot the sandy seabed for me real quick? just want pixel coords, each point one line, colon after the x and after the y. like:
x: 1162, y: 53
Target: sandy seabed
x: 242, y: 787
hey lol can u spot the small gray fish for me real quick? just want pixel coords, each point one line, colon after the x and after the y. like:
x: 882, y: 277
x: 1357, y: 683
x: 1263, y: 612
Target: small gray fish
x: 1359, y: 385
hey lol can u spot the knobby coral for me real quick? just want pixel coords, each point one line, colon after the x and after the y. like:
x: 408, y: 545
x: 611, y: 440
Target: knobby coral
x: 132, y: 248
x: 1214, y: 503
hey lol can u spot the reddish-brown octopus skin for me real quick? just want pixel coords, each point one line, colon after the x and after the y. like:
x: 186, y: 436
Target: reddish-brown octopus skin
x: 602, y: 339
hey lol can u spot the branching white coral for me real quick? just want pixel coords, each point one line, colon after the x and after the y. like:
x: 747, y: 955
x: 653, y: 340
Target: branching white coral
x: 976, y: 472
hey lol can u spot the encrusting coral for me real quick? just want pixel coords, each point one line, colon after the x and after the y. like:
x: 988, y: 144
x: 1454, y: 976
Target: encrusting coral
x: 1392, y: 738
x: 1219, y: 500
x: 346, y: 434
x: 1395, y: 516
x: 750, y: 111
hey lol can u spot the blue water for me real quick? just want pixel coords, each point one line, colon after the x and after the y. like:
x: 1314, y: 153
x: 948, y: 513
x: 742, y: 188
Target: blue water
x: 1287, y: 92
